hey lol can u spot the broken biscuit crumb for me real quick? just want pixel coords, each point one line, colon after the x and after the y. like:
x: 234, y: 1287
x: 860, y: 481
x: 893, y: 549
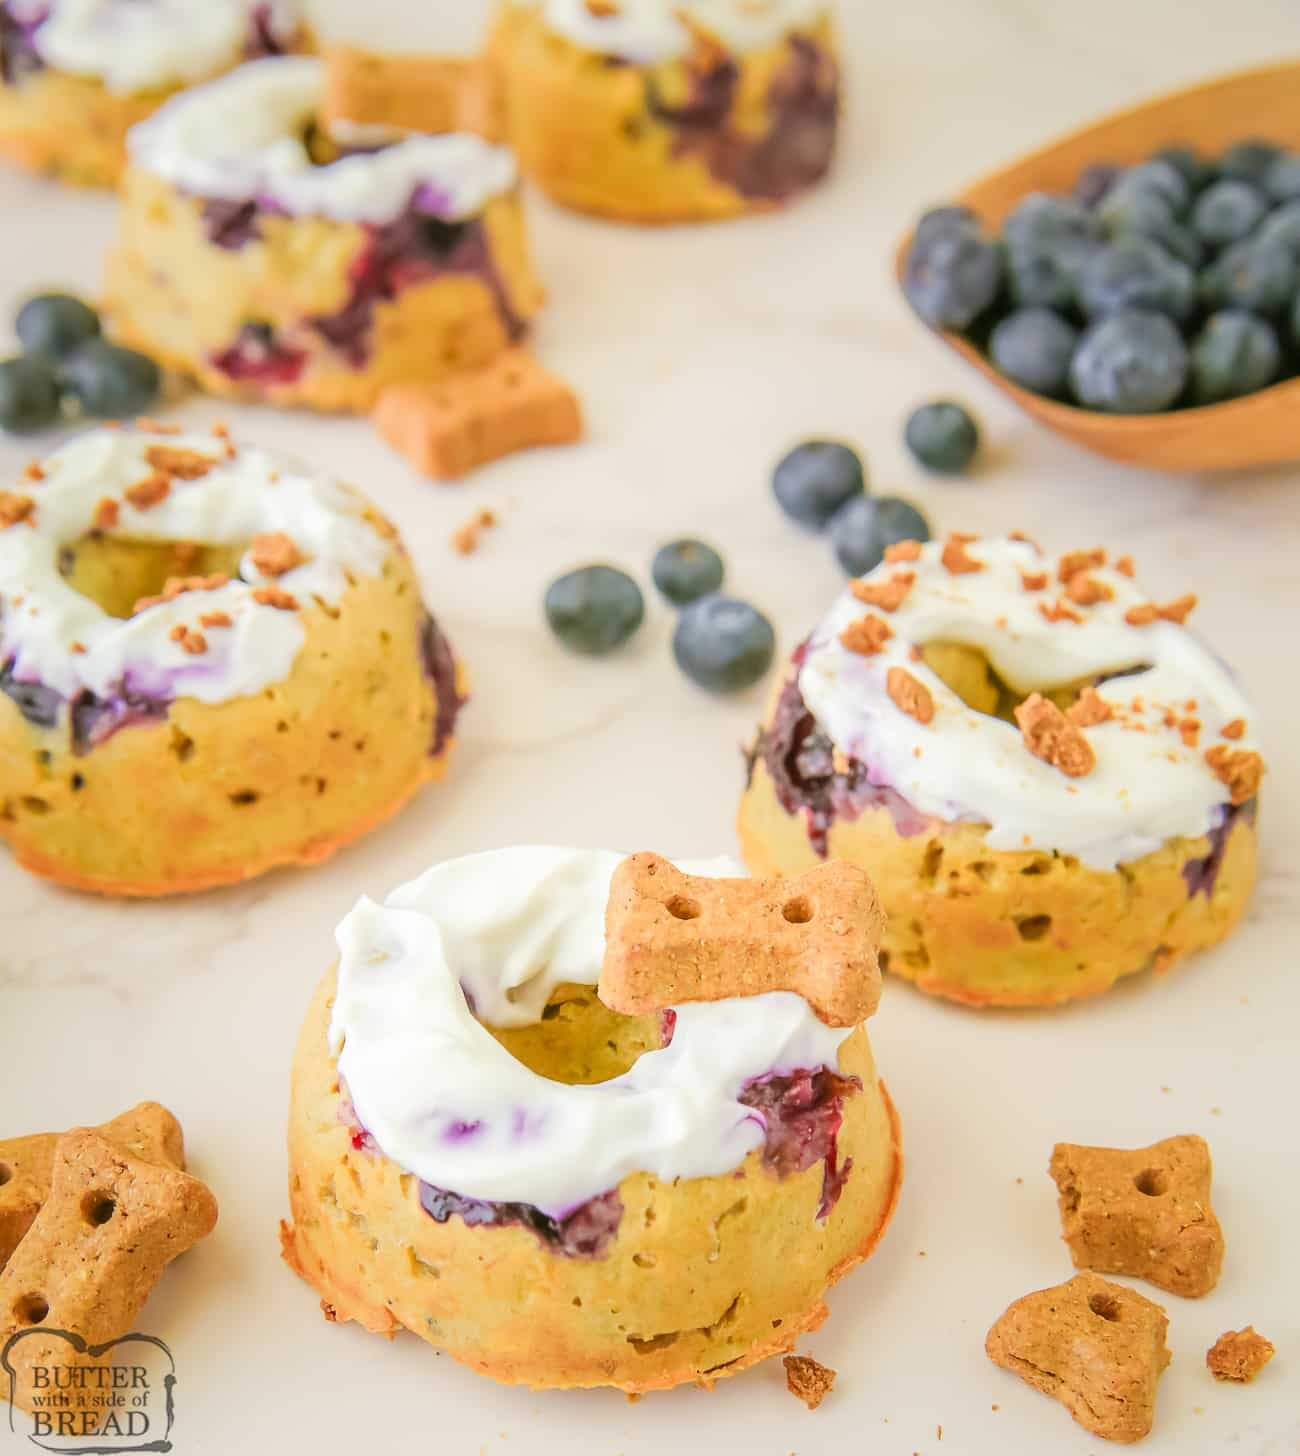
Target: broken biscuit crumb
x: 1057, y: 611
x: 808, y: 1379
x: 14, y: 509
x: 1239, y: 768
x: 272, y: 596
x: 903, y: 551
x: 1086, y: 590
x: 178, y: 463
x: 1089, y: 709
x: 106, y: 515
x: 1050, y: 735
x: 273, y: 553
x: 1074, y: 562
x: 887, y: 595
x: 867, y: 635
x: 1235, y: 729
x: 910, y: 694
x: 1239, y: 1355
x: 956, y: 559
x: 464, y: 539
x: 149, y: 492
x: 1033, y: 581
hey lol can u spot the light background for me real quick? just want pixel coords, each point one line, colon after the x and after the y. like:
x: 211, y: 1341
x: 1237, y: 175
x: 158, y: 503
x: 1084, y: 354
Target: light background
x: 702, y: 354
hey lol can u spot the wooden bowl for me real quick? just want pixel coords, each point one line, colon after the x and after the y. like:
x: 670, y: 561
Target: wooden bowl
x: 1257, y: 429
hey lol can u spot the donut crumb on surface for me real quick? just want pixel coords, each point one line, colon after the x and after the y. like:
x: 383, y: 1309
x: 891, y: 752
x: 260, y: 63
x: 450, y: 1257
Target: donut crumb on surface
x: 808, y: 1379
x: 464, y: 539
x: 1235, y: 729
x: 1239, y: 1355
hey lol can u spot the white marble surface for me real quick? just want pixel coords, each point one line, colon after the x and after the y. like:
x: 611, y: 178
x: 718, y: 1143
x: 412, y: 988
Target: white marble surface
x: 702, y: 355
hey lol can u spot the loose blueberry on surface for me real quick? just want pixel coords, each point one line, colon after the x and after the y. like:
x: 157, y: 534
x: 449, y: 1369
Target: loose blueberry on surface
x: 1227, y: 211
x: 1234, y: 354
x: 951, y: 277
x: 1249, y: 160
x: 1135, y: 273
x: 594, y: 609
x: 862, y: 530
x: 1282, y: 180
x: 29, y: 395
x: 1255, y: 274
x: 942, y: 436
x: 1134, y: 362
x: 686, y: 570
x: 55, y: 324
x: 1033, y: 348
x: 723, y: 644
x: 110, y: 382
x: 816, y: 479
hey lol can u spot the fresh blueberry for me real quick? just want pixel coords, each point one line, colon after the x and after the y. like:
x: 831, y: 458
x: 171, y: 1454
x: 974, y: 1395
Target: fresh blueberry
x: 110, y: 382
x: 942, y: 436
x: 1043, y: 220
x: 1295, y: 321
x: 1249, y: 160
x: 1282, y: 180
x: 1234, y: 354
x: 594, y: 609
x: 723, y: 644
x: 55, y: 324
x: 1033, y: 348
x: 29, y: 394
x: 1227, y: 211
x: 685, y: 570
x: 1180, y: 241
x: 951, y: 277
x: 1134, y: 272
x: 1094, y: 182
x: 1134, y: 362
x: 1130, y: 208
x: 1160, y: 176
x: 1040, y: 277
x: 815, y: 479
x: 947, y: 219
x: 1188, y: 163
x: 1255, y: 274
x: 1282, y: 225
x: 862, y: 530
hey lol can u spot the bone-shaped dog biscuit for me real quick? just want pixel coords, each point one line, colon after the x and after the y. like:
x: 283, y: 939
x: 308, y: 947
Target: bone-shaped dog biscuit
x: 412, y: 92
x: 147, y: 1131
x: 110, y: 1225
x: 672, y: 938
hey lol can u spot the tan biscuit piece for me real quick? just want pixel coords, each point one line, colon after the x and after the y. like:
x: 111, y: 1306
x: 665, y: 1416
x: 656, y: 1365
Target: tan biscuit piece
x: 1145, y: 1212
x: 448, y: 429
x: 111, y: 1224
x: 423, y: 93
x: 808, y: 1379
x: 1097, y: 1347
x: 1239, y: 1355
x: 146, y: 1131
x: 672, y: 938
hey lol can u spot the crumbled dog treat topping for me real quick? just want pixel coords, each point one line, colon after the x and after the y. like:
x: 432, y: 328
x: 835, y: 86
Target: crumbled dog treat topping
x: 192, y: 642
x: 15, y: 509
x: 272, y: 596
x: 903, y: 551
x: 464, y: 538
x: 107, y: 512
x: 1074, y: 562
x: 273, y: 553
x: 1234, y: 730
x: 1033, y: 581
x: 1239, y: 1355
x: 151, y: 491
x: 867, y: 635
x: 178, y: 463
x: 956, y: 559
x: 1124, y: 565
x: 176, y: 586
x: 1086, y: 590
x: 34, y: 471
x: 215, y: 619
x: 1058, y: 611
x: 1050, y: 735
x: 1089, y: 709
x: 808, y: 1379
x: 888, y: 595
x: 1176, y: 611
x: 1240, y: 769
x: 910, y: 694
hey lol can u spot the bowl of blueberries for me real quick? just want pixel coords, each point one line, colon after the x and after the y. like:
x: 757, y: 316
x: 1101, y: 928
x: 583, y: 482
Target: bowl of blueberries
x: 1136, y: 286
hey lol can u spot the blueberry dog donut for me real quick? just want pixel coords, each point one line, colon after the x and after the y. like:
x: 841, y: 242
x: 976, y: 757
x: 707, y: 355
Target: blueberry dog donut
x: 1050, y: 779
x: 652, y: 111
x: 76, y: 75
x: 269, y: 263
x: 484, y: 1153
x: 212, y: 662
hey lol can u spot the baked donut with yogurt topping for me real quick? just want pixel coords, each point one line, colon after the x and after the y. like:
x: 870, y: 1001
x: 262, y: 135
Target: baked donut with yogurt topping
x: 272, y: 262
x: 76, y: 75
x: 653, y: 111
x: 1052, y: 781
x: 212, y: 662
x: 484, y: 1153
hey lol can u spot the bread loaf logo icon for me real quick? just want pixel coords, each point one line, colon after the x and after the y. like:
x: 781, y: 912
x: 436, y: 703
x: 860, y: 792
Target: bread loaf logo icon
x: 68, y: 1398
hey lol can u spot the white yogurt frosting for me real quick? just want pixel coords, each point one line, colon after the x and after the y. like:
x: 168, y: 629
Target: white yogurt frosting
x: 136, y: 45
x: 1147, y: 786
x: 43, y: 620
x: 241, y: 138
x: 649, y: 31
x: 499, y: 931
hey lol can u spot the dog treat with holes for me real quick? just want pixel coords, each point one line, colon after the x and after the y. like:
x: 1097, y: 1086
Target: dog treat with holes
x: 1239, y: 1355
x: 1046, y: 800
x: 1143, y: 1212
x: 110, y: 1224
x: 483, y: 1152
x: 1098, y: 1348
x: 672, y: 938
x: 447, y: 430
x: 670, y: 113
x: 193, y: 690
x: 145, y: 1131
x: 368, y: 93
x: 275, y: 255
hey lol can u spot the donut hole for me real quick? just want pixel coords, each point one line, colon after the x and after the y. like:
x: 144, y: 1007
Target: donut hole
x: 115, y: 572
x: 579, y: 1041
x: 1152, y: 1181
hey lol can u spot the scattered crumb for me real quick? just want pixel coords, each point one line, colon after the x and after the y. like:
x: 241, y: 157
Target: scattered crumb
x: 273, y: 553
x: 149, y: 492
x: 192, y: 642
x: 867, y: 635
x: 1050, y: 735
x: 215, y: 619
x: 1033, y: 581
x: 910, y: 695
x: 1073, y: 562
x: 1124, y: 565
x: 903, y: 551
x: 1235, y: 729
x: 887, y: 595
x: 14, y: 509
x: 1239, y: 1355
x: 106, y: 514
x: 807, y: 1379
x: 180, y: 464
x: 464, y: 539
x: 956, y: 559
x: 272, y: 596
x: 33, y: 470
x: 1240, y: 769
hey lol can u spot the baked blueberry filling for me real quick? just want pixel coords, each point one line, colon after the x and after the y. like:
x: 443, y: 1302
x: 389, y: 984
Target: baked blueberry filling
x: 802, y: 763
x: 230, y: 224
x: 796, y: 149
x: 1201, y: 875
x: 440, y: 669
x: 265, y: 38
x: 18, y: 54
x: 94, y: 720
x: 802, y: 1114
x: 259, y: 354
x: 584, y: 1233
x: 37, y: 703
